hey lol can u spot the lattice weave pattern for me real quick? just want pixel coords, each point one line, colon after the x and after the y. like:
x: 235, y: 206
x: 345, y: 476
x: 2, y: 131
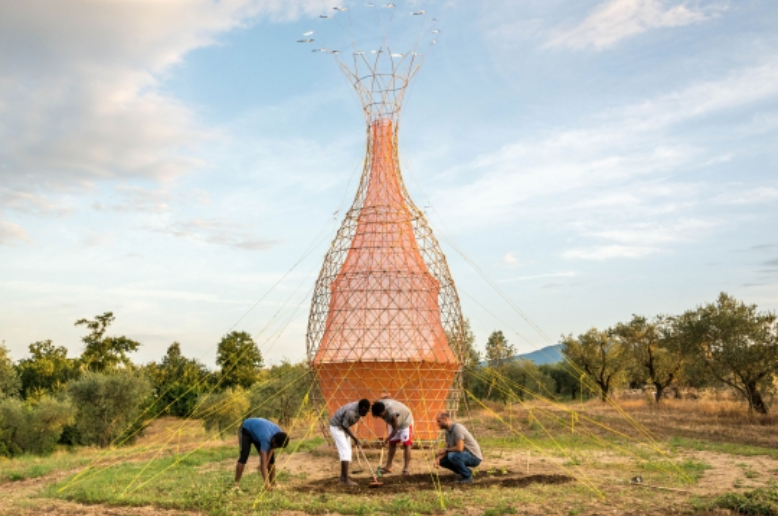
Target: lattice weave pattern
x: 385, y: 317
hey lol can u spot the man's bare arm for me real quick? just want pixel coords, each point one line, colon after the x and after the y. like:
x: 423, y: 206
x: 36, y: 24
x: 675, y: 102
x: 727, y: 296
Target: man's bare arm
x: 350, y: 434
x: 394, y: 425
x: 264, y: 459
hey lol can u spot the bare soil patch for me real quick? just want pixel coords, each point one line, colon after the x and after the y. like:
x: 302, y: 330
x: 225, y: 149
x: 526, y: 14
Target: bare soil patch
x: 426, y: 482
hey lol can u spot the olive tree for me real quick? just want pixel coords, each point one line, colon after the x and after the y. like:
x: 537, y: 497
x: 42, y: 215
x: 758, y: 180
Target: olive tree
x: 736, y: 343
x: 601, y: 357
x: 32, y: 426
x: 653, y: 348
x: 110, y: 407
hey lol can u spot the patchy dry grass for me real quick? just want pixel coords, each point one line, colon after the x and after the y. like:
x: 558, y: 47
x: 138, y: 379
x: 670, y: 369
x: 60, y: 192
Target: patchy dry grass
x: 542, y: 460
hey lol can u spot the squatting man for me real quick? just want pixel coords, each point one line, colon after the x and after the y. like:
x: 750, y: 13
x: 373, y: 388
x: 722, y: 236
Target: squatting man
x: 461, y: 453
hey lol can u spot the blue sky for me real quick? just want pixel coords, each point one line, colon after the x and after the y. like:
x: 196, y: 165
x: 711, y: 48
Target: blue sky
x: 171, y: 162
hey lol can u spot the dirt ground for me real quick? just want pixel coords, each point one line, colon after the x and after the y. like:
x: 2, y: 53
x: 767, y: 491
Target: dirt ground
x: 316, y: 472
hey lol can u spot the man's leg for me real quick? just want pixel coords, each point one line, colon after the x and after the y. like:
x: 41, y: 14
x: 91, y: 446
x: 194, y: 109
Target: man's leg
x: 245, y: 444
x: 405, y: 437
x: 445, y: 463
x: 345, y: 474
x: 457, y: 464
x: 390, y: 455
x: 344, y: 445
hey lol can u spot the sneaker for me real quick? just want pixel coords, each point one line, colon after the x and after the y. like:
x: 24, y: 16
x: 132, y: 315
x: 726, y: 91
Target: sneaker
x: 464, y: 480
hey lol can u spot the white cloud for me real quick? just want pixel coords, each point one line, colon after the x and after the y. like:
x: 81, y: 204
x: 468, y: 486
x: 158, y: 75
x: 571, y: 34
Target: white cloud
x: 636, y: 240
x: 622, y: 184
x: 79, y: 95
x: 609, y: 251
x: 750, y: 196
x: 615, y: 20
x: 654, y: 234
x: 218, y: 232
x: 566, y: 274
x: 615, y: 159
x: 10, y: 233
x: 510, y: 259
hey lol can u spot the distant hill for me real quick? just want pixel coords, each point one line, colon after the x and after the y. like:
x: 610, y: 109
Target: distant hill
x: 547, y: 355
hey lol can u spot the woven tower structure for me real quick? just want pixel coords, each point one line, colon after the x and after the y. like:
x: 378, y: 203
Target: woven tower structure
x: 385, y: 317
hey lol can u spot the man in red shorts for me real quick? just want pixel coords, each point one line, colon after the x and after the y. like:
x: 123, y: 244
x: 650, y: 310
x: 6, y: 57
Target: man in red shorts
x: 401, y: 423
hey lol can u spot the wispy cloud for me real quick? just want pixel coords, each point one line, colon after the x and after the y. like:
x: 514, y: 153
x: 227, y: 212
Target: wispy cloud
x: 10, y: 233
x: 510, y: 259
x: 615, y: 20
x: 137, y: 199
x: 756, y: 195
x: 606, y: 252
x: 218, y: 232
x: 566, y: 274
x: 605, y: 180
x: 79, y: 86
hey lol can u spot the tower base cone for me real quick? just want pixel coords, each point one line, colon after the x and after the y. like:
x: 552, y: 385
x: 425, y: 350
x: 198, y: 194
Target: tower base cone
x: 424, y: 387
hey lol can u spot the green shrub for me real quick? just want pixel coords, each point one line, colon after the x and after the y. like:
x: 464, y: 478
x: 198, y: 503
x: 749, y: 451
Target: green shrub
x: 177, y: 382
x: 32, y: 427
x: 9, y: 378
x: 223, y: 411
x: 110, y: 406
x: 760, y: 502
x: 281, y: 393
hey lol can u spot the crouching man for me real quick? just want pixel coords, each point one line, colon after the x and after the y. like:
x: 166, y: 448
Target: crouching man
x: 462, y: 452
x: 341, y: 429
x: 266, y: 437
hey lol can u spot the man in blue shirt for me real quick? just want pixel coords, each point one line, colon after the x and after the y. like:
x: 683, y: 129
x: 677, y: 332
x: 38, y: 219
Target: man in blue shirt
x: 266, y: 437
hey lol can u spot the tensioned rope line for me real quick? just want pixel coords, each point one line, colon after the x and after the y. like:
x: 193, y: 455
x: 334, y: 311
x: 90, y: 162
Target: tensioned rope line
x: 507, y: 389
x: 199, y: 447
x: 449, y: 240
x: 119, y: 440
x: 591, y: 386
x: 216, y: 385
x: 120, y: 458
x: 652, y: 444
x: 181, y: 458
x: 206, y: 397
x: 584, y: 480
x: 582, y: 476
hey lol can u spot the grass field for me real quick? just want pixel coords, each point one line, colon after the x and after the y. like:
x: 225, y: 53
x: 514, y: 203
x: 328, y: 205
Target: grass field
x: 698, y: 457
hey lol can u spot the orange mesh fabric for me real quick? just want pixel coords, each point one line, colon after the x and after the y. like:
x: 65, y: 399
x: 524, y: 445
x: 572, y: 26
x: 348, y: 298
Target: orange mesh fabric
x: 383, y: 331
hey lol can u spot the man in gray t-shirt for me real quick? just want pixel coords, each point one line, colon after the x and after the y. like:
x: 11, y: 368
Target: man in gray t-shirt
x: 401, y: 423
x: 461, y: 452
x: 341, y: 429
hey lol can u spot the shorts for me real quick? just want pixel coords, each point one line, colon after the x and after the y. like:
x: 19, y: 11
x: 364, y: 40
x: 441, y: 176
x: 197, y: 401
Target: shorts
x: 343, y: 442
x: 245, y: 441
x: 403, y: 436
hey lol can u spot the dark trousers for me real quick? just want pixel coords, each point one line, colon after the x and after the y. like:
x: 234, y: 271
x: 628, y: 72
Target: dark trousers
x: 459, y: 462
x: 246, y: 441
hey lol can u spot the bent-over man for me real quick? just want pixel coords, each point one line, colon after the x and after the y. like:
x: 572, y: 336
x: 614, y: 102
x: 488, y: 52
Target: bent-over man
x: 401, y: 423
x: 266, y: 437
x: 462, y: 451
x: 341, y: 429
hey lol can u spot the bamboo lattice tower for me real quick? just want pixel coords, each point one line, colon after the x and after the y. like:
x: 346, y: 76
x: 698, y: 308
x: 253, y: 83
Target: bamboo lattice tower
x: 385, y: 316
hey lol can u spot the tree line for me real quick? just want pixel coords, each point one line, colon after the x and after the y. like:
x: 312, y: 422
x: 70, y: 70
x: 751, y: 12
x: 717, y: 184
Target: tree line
x: 724, y: 344
x: 102, y: 397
